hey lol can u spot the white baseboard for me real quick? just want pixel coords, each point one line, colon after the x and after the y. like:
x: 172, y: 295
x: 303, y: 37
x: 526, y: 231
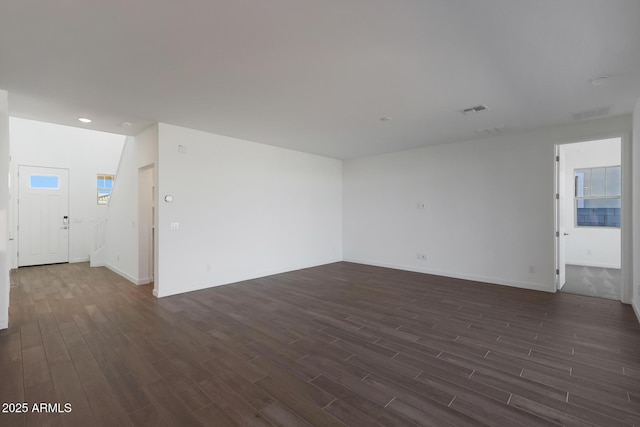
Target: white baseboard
x: 256, y: 275
x: 119, y: 272
x: 155, y: 293
x: 636, y: 307
x: 144, y: 281
x: 4, y: 324
x: 593, y: 264
x: 483, y: 279
x: 82, y: 259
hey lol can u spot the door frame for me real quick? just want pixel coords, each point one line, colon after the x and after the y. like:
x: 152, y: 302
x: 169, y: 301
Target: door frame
x: 17, y: 211
x: 147, y: 256
x: 559, y: 229
x: 625, y: 220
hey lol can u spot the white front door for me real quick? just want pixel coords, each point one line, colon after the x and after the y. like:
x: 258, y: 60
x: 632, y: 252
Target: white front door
x: 43, y: 216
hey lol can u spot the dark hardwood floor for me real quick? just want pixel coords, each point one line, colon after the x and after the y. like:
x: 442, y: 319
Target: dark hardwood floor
x: 342, y: 344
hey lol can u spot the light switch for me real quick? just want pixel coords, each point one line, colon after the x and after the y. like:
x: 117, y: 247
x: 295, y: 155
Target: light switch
x: 175, y: 226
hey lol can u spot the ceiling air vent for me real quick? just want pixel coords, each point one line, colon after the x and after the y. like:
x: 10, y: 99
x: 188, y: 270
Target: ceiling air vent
x: 490, y: 131
x: 590, y: 114
x: 473, y: 110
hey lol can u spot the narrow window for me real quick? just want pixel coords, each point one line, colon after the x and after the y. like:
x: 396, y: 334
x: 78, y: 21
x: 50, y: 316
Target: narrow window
x: 105, y: 186
x: 597, y: 196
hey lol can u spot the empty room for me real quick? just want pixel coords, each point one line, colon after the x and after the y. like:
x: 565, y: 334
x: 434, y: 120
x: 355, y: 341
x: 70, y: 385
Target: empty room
x: 349, y: 213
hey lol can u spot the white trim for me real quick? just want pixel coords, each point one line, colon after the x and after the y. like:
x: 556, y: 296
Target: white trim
x: 155, y: 293
x: 210, y: 284
x: 123, y: 274
x: 194, y: 287
x: 144, y: 281
x: 626, y: 221
x: 483, y: 279
x: 636, y: 309
x: 4, y: 324
x: 593, y: 264
x: 83, y: 259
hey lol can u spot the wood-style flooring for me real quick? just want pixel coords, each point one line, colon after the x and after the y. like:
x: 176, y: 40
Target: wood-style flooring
x: 341, y: 344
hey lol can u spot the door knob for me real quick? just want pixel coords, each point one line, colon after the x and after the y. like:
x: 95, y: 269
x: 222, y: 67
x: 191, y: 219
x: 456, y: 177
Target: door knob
x: 566, y: 234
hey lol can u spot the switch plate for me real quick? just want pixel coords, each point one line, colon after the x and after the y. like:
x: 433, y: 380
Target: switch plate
x: 175, y: 226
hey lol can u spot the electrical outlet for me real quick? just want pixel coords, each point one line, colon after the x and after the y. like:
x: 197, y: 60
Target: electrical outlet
x: 420, y: 205
x: 175, y: 226
x: 421, y: 257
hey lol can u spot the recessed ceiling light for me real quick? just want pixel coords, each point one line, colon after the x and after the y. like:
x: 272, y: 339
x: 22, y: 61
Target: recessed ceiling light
x: 599, y: 80
x: 84, y: 120
x: 385, y: 119
x: 126, y: 124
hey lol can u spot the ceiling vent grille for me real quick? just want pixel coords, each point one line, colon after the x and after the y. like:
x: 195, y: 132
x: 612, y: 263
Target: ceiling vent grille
x: 590, y: 114
x: 473, y: 110
x: 490, y: 131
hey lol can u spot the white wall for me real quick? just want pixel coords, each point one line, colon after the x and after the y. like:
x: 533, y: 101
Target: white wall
x: 244, y: 210
x: 122, y: 224
x: 86, y: 153
x: 635, y: 151
x: 4, y: 211
x: 591, y: 246
x: 489, y: 206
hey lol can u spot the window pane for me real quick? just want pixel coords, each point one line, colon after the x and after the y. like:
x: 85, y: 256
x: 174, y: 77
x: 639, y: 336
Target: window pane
x: 584, y: 181
x: 105, y: 186
x: 49, y: 182
x: 602, y: 203
x: 103, y: 196
x: 598, y: 182
x: 599, y: 213
x: 613, y: 181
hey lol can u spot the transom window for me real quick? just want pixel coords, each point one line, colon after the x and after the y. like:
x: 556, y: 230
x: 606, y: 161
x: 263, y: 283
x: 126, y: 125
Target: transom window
x: 105, y: 186
x: 597, y: 197
x: 44, y: 182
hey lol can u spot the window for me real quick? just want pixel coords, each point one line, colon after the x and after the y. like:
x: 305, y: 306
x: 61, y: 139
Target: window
x: 105, y: 186
x: 597, y: 193
x: 44, y: 182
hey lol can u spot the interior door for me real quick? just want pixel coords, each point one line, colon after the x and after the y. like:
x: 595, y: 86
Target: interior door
x: 43, y: 216
x: 561, y: 199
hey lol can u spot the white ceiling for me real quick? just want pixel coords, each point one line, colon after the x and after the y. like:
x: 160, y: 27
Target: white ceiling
x: 317, y: 76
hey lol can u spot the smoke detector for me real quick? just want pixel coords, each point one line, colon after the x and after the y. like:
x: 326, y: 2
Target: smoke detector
x: 599, y: 80
x: 475, y: 109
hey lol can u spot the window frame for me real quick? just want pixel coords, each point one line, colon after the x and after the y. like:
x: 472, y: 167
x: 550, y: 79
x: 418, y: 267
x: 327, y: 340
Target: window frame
x: 576, y: 198
x: 102, y: 191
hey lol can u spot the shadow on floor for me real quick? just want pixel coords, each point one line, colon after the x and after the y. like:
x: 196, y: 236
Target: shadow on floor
x: 593, y: 281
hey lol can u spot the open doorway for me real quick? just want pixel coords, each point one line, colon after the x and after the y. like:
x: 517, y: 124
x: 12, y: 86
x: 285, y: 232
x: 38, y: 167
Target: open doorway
x: 146, y: 226
x: 588, y: 218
